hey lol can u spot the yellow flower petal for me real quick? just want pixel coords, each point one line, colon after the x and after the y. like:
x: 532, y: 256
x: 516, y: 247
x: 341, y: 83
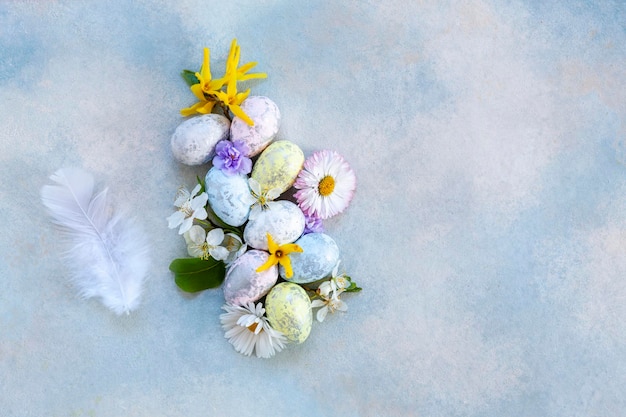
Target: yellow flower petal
x: 273, y: 247
x: 286, y: 263
x: 271, y: 261
x: 237, y: 111
x: 288, y: 248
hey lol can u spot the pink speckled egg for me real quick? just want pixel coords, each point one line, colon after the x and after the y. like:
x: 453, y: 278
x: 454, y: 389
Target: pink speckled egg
x: 243, y: 284
x: 266, y: 117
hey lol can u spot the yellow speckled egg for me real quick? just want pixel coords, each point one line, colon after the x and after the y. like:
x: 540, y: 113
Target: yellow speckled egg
x: 288, y: 309
x: 278, y: 165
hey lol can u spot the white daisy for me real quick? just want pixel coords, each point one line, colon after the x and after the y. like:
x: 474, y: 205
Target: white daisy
x: 247, y: 329
x: 201, y: 244
x: 190, y: 207
x: 325, y: 185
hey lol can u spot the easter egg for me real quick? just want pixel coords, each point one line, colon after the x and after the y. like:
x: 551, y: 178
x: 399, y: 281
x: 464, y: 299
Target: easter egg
x: 278, y: 165
x: 319, y: 256
x: 288, y: 309
x: 243, y: 284
x: 282, y: 219
x: 193, y: 142
x: 266, y: 117
x: 229, y: 196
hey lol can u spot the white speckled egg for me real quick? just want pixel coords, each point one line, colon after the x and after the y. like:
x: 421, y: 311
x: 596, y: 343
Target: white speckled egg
x: 243, y: 284
x: 282, y: 219
x: 278, y: 165
x: 229, y: 196
x: 288, y: 309
x: 266, y: 117
x: 319, y: 256
x: 193, y: 142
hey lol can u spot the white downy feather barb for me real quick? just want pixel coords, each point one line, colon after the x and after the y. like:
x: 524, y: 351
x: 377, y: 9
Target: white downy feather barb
x: 108, y: 254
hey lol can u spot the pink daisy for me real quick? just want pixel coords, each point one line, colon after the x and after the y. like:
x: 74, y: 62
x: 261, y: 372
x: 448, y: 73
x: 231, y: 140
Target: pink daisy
x: 325, y: 185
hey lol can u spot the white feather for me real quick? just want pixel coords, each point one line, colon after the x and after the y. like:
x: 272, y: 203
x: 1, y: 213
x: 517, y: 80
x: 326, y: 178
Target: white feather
x: 108, y: 257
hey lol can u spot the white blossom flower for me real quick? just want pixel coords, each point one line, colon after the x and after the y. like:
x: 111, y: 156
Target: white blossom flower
x: 248, y: 330
x: 326, y: 304
x: 201, y: 244
x: 260, y: 197
x: 190, y: 207
x: 235, y: 247
x: 336, y: 284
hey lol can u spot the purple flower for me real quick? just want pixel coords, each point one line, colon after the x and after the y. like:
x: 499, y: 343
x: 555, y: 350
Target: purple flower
x: 231, y: 157
x: 312, y: 224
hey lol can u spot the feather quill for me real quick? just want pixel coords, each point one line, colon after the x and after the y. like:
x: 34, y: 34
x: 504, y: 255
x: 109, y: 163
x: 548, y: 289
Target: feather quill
x: 108, y: 254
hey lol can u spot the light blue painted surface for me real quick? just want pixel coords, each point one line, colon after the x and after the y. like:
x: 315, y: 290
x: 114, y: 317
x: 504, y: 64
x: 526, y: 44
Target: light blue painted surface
x: 488, y: 230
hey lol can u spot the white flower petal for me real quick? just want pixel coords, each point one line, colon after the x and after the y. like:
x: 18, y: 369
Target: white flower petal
x: 273, y: 194
x: 175, y: 219
x: 215, y: 237
x: 197, y: 235
x: 321, y: 314
x: 219, y: 253
x: 255, y: 187
x: 195, y: 190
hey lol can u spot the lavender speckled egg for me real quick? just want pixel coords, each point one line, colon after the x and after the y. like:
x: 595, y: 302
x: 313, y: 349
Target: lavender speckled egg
x: 229, y: 196
x: 193, y: 142
x: 282, y: 219
x: 319, y: 256
x: 278, y: 165
x: 266, y: 117
x: 288, y: 309
x: 243, y: 284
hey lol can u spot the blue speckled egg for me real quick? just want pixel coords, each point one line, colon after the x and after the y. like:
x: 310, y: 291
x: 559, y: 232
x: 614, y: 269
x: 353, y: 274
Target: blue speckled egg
x: 229, y: 196
x: 319, y: 256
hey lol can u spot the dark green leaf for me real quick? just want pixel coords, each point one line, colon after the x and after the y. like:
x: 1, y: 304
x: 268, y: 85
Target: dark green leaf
x: 213, y: 218
x: 190, y: 77
x: 195, y: 274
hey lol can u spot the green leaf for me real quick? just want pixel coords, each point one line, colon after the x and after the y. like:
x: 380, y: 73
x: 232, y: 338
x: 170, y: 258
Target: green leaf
x: 190, y: 77
x: 196, y: 274
x: 353, y: 287
x: 214, y: 218
x: 202, y: 185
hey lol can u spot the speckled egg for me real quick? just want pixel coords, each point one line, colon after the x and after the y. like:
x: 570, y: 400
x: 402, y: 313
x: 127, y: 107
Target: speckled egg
x: 288, y: 309
x: 319, y: 256
x: 229, y: 196
x: 243, y: 284
x: 266, y: 116
x: 193, y: 142
x: 282, y: 219
x: 278, y: 165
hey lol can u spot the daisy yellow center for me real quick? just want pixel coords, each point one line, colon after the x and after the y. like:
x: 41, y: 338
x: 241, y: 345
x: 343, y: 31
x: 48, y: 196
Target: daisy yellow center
x: 252, y: 327
x: 326, y: 185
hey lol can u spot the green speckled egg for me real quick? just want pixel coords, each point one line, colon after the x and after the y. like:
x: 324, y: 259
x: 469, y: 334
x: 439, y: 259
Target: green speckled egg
x: 278, y: 165
x: 288, y: 308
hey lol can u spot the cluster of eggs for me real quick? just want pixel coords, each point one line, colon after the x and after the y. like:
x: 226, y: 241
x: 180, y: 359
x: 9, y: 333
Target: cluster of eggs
x: 278, y: 163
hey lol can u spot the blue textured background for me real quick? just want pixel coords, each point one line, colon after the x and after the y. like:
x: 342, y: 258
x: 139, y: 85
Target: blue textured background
x: 488, y: 229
